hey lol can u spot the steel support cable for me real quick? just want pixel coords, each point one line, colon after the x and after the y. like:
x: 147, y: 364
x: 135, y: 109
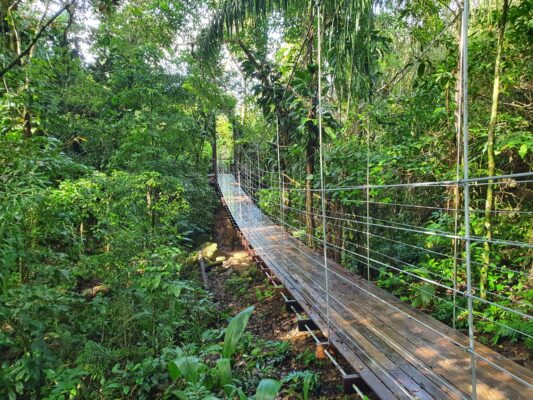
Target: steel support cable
x: 466, y: 192
x: 426, y: 280
x: 451, y: 236
x: 432, y: 184
x: 437, y: 253
x: 453, y: 289
x: 259, y: 169
x: 281, y: 183
x: 406, y: 272
x: 402, y: 243
x: 271, y: 189
x: 444, y: 183
x: 321, y: 158
x: 431, y: 252
x: 424, y: 231
x: 418, y: 229
x: 367, y: 258
x: 504, y: 269
x: 367, y: 192
x: 477, y: 314
x: 447, y: 209
x: 493, y: 364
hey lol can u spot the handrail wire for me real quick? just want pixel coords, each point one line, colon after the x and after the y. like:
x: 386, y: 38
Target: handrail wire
x: 321, y: 157
x: 426, y: 280
x: 466, y: 192
x: 463, y: 293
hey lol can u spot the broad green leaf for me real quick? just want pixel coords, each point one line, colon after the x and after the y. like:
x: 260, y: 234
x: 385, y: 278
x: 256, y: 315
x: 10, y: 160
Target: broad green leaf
x: 188, y: 367
x: 224, y: 369
x: 173, y: 370
x: 235, y: 330
x: 267, y: 389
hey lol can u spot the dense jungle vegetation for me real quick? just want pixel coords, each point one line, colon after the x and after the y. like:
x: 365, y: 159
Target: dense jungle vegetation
x: 112, y: 115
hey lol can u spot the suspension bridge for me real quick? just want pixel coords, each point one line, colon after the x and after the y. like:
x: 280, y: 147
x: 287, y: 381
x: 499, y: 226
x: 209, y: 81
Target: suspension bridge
x: 396, y: 351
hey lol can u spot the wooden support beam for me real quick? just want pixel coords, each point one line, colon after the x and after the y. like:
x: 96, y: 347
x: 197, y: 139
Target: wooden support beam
x: 274, y: 280
x: 292, y: 306
x: 348, y: 382
x: 303, y: 324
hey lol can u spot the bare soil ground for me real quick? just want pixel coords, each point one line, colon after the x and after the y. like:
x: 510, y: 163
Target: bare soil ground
x: 237, y: 284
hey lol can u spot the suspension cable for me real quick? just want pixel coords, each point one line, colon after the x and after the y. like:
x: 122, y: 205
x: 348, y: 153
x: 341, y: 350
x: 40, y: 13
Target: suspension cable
x: 321, y: 157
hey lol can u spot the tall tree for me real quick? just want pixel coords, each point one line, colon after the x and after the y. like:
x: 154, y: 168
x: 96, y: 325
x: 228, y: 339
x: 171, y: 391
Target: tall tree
x: 491, y: 162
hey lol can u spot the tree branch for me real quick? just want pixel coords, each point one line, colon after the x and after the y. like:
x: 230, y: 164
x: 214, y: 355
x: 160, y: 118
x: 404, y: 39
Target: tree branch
x: 32, y: 43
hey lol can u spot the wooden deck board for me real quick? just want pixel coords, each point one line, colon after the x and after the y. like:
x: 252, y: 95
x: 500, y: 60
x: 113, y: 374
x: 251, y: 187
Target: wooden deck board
x: 399, y: 350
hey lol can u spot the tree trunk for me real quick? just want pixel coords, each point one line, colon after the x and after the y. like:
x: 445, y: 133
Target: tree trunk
x: 491, y: 164
x: 310, y: 151
x: 214, y: 155
x: 235, y: 133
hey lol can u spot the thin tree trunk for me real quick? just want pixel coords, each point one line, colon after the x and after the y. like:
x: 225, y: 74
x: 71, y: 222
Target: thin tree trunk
x: 235, y: 132
x: 309, y: 172
x: 214, y: 154
x: 491, y: 164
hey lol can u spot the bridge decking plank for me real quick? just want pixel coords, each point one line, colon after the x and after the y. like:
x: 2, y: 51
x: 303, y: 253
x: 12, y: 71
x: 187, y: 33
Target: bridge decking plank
x: 397, y: 366
x: 407, y: 344
x: 411, y: 377
x: 499, y: 380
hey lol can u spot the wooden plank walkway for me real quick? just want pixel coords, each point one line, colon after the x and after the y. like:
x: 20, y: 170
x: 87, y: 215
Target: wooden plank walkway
x: 399, y: 352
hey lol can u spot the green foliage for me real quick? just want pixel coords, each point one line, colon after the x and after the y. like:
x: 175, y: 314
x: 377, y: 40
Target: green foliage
x: 106, y: 139
x: 267, y: 389
x: 393, y: 110
x: 235, y: 330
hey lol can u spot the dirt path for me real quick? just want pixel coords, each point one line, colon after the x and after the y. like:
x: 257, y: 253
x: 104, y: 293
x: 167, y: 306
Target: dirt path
x: 237, y: 284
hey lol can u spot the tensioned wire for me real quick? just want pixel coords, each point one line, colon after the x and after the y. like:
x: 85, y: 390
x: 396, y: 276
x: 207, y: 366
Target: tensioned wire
x: 517, y: 302
x: 429, y: 281
x: 422, y: 230
x: 426, y: 280
x: 321, y: 159
x: 443, y: 234
x: 504, y: 269
x: 477, y: 181
x: 401, y: 261
x: 466, y: 191
x: 362, y: 202
x: 403, y: 243
x: 412, y: 317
